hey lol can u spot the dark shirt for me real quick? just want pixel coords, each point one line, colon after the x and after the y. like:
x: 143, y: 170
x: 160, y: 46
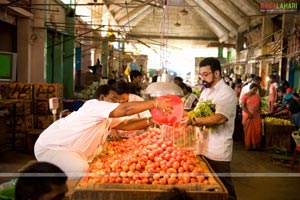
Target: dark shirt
x: 135, y: 89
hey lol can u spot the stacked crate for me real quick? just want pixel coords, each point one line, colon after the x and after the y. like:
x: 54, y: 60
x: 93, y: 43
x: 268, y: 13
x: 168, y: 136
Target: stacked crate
x: 21, y: 120
x: 32, y: 113
x: 41, y: 93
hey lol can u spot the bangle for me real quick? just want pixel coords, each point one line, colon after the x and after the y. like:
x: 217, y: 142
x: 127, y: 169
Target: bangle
x: 156, y: 103
x: 148, y: 120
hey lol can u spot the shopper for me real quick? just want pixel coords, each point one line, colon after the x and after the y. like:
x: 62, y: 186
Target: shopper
x: 251, y: 106
x: 41, y: 180
x: 73, y: 141
x: 257, y: 80
x: 189, y: 99
x: 217, y: 144
x: 272, y: 93
x: 136, y: 81
x: 178, y: 80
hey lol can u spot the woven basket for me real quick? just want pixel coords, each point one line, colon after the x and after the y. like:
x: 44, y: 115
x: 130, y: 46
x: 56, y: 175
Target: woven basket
x: 296, y: 139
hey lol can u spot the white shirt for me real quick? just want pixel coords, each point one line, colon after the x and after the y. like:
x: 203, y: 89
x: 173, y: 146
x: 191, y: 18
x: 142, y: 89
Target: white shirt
x: 83, y: 131
x: 217, y: 144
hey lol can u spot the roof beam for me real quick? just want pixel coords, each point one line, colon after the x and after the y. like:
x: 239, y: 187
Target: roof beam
x: 219, y: 16
x: 234, y: 14
x: 215, y: 26
x: 132, y: 15
x: 142, y: 36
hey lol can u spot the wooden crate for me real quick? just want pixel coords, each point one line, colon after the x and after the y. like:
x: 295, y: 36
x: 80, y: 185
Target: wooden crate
x: 279, y: 135
x: 214, y: 191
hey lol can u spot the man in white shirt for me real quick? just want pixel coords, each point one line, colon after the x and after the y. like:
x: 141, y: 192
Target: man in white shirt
x: 217, y: 144
x: 73, y: 141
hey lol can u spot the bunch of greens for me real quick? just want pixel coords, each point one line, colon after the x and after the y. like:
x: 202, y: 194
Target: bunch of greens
x: 203, y: 109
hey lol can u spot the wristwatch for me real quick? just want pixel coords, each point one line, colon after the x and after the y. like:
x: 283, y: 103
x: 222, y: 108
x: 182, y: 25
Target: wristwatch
x: 194, y: 121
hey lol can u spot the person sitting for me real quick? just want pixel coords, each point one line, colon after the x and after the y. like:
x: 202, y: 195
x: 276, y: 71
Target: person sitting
x: 41, y: 180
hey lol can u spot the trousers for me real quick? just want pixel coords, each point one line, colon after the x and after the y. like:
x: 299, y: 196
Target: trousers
x: 224, y: 168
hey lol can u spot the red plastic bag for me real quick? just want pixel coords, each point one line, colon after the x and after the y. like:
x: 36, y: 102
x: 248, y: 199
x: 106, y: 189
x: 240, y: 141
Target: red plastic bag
x: 174, y: 116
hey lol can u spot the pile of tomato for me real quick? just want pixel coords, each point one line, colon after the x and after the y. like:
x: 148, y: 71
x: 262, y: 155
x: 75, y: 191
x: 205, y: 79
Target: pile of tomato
x: 145, y: 159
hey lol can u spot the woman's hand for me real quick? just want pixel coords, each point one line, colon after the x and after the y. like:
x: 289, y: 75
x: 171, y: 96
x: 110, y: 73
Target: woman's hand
x: 250, y: 116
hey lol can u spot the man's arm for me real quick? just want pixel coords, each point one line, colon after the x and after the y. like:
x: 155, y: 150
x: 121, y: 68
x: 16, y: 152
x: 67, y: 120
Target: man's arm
x: 213, y: 120
x: 134, y: 124
x: 134, y: 107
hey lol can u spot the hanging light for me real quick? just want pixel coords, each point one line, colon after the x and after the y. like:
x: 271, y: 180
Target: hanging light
x: 184, y: 12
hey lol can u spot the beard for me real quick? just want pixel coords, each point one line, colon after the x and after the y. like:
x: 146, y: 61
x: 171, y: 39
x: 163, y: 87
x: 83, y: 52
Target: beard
x: 208, y: 84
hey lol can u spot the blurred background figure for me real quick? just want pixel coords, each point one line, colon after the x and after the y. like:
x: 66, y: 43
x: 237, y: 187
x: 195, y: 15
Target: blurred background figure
x: 272, y: 93
x: 178, y: 80
x: 189, y: 99
x: 136, y: 81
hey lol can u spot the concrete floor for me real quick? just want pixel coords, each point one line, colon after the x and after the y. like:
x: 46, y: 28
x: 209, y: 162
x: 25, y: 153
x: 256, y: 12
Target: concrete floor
x: 255, y: 174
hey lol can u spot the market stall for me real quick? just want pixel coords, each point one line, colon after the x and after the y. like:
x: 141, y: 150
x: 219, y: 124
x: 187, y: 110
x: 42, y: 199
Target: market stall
x: 278, y: 132
x: 145, y: 166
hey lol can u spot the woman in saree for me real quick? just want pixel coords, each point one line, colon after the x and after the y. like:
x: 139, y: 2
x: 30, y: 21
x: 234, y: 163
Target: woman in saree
x: 251, y: 106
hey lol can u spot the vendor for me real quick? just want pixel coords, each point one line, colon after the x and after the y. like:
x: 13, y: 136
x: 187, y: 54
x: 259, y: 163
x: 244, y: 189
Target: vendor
x: 290, y: 106
x: 123, y: 89
x: 73, y: 141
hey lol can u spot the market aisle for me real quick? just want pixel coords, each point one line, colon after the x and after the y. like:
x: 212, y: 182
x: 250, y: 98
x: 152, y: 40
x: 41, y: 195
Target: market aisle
x: 247, y: 188
x: 264, y: 186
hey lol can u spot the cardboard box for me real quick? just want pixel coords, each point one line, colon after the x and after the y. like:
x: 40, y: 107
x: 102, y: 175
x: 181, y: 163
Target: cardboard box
x: 24, y: 123
x: 19, y: 91
x: 43, y: 121
x: 24, y: 107
x: 47, y: 90
x: 3, y: 90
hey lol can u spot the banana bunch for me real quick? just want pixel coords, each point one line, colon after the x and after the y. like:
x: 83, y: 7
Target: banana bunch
x: 277, y: 121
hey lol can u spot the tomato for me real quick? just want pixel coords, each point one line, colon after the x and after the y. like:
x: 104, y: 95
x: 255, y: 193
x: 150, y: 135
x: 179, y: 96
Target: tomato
x: 163, y: 181
x: 156, y: 176
x: 138, y: 167
x: 175, y: 165
x: 172, y: 170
